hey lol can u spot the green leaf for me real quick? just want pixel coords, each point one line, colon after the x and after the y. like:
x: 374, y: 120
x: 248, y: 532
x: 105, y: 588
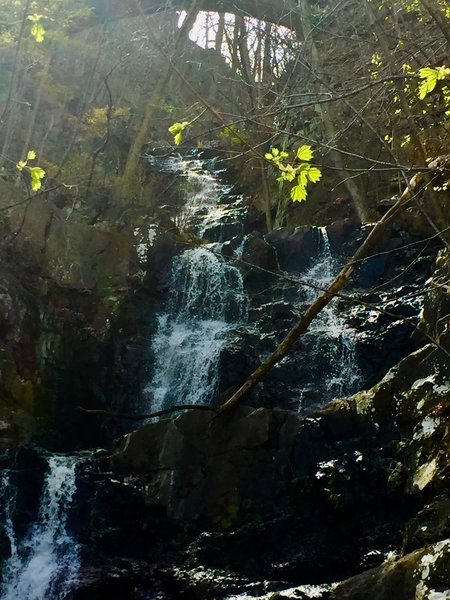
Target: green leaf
x: 288, y: 172
x: 298, y: 193
x: 303, y: 174
x: 268, y: 156
x: 314, y: 174
x: 430, y: 77
x: 21, y: 165
x: 38, y: 32
x: 442, y: 72
x: 178, y: 127
x: 177, y: 131
x: 34, y: 18
x: 288, y: 175
x: 305, y: 153
x: 31, y: 155
x: 37, y: 174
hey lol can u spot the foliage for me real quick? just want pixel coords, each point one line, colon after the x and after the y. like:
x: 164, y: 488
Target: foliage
x: 37, y: 174
x: 177, y: 130
x: 430, y: 76
x: 233, y: 134
x: 303, y: 172
x: 37, y: 29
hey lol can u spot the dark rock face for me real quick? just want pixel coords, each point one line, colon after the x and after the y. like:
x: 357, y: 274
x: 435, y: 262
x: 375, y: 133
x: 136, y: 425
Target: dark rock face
x: 267, y: 495
x: 259, y: 500
x: 421, y: 574
x: 295, y: 247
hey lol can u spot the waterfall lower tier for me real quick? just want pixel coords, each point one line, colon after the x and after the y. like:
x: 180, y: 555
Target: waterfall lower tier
x: 45, y: 563
x: 207, y: 299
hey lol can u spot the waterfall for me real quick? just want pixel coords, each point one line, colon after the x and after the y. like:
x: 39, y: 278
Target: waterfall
x: 332, y: 366
x: 44, y: 564
x: 8, y: 496
x: 209, y: 208
x: 206, y: 300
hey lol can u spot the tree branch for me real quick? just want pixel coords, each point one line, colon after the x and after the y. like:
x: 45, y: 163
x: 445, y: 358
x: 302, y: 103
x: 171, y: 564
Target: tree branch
x: 368, y: 246
x: 144, y: 417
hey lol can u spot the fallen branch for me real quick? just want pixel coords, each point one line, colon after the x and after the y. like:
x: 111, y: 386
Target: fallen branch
x: 159, y: 413
x: 416, y: 184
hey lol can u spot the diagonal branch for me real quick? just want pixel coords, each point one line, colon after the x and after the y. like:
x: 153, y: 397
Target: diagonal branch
x: 369, y: 245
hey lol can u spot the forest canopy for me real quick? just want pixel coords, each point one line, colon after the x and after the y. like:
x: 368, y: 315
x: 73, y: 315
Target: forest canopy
x: 90, y: 86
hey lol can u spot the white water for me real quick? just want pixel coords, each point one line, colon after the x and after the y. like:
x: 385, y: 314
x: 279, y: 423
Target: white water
x: 46, y: 562
x: 8, y: 496
x: 203, y: 193
x: 207, y: 299
x: 332, y: 338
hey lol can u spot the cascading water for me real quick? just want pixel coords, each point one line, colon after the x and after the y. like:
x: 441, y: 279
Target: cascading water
x: 207, y: 295
x: 46, y: 562
x: 331, y: 360
x: 8, y: 495
x: 210, y: 209
x: 207, y: 299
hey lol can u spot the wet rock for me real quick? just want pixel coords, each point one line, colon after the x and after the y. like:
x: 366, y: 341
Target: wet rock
x: 256, y: 251
x: 341, y: 234
x: 430, y: 525
x: 296, y: 248
x: 222, y: 231
x: 422, y: 574
x: 238, y: 358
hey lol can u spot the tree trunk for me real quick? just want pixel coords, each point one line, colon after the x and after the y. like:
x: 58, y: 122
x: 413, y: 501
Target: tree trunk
x: 414, y: 131
x: 7, y: 119
x: 220, y: 34
x: 131, y: 171
x: 433, y: 9
x: 356, y: 193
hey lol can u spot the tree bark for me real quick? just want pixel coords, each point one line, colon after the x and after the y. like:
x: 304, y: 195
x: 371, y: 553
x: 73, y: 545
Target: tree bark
x: 339, y: 282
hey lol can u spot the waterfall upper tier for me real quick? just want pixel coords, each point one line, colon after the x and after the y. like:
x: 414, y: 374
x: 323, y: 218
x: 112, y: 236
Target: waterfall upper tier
x: 209, y: 207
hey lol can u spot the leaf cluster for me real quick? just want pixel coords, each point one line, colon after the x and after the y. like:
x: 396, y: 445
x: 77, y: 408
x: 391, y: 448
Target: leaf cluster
x: 430, y: 76
x: 37, y: 174
x: 37, y: 29
x: 177, y: 130
x: 301, y: 170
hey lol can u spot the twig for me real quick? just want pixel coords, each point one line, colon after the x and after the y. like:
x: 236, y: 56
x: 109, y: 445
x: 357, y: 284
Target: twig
x: 158, y: 413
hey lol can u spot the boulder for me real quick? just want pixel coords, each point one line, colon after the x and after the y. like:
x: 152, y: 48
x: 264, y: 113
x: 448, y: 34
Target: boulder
x: 422, y: 575
x: 296, y: 248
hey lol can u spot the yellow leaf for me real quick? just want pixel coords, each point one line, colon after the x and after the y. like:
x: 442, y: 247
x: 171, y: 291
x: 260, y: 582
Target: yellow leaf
x: 38, y: 32
x: 31, y: 155
x: 298, y: 193
x: 314, y: 174
x: 305, y: 153
x: 37, y: 174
